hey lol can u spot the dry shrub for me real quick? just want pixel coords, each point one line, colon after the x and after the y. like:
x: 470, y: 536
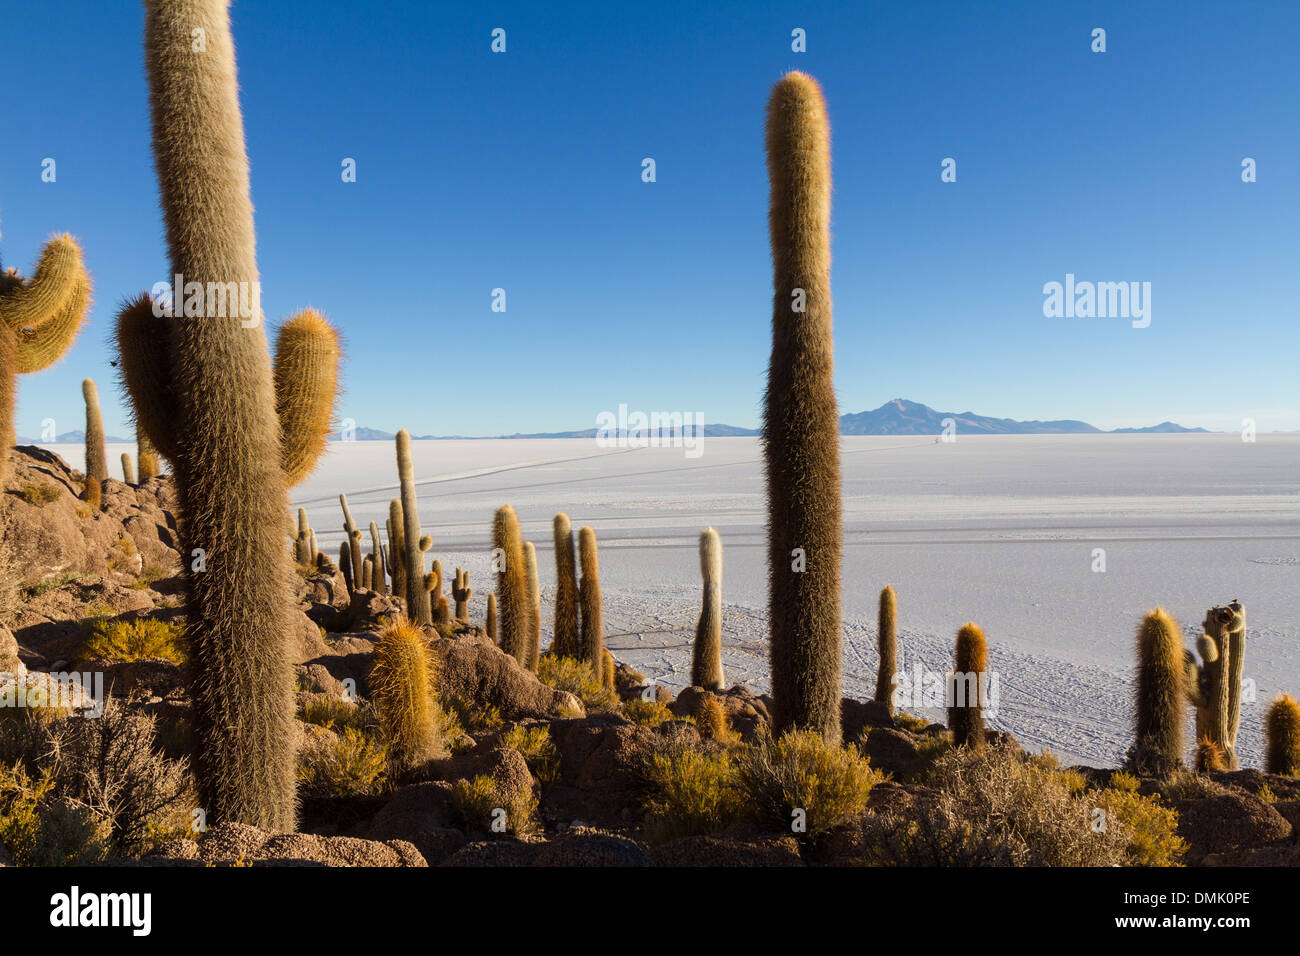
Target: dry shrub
x: 349, y: 765
x: 647, y: 713
x: 990, y: 807
x: 336, y: 713
x: 690, y: 793
x: 801, y: 771
x: 133, y: 640
x: 41, y: 828
x: 579, y: 679
x: 483, y: 808
x: 1152, y: 828
x: 540, y: 752
x: 38, y: 494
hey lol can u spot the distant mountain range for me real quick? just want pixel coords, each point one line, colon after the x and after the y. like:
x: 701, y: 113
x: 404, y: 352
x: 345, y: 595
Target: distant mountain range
x: 898, y: 417
x: 70, y: 438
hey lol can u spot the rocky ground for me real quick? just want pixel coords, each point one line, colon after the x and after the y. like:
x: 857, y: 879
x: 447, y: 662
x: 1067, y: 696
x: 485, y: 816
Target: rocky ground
x: 67, y: 568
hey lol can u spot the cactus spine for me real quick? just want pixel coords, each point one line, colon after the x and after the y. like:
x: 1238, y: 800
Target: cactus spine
x: 96, y: 459
x: 1158, y: 723
x: 417, y: 605
x: 887, y: 639
x: 512, y: 583
x: 128, y: 471
x: 966, y: 688
x: 203, y: 389
x: 39, y: 319
x: 402, y: 688
x: 534, y: 616
x: 593, y: 621
x: 706, y: 658
x: 461, y: 592
x: 490, y: 620
x: 1282, y: 734
x: 146, y: 457
x: 566, y: 641
x: 801, y: 420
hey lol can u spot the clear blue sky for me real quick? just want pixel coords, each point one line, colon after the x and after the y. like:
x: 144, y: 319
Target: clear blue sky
x: 523, y: 171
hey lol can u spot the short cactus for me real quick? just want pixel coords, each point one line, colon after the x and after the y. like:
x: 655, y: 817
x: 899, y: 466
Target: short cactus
x: 146, y: 457
x: 490, y: 619
x: 128, y: 469
x: 39, y: 319
x: 396, y: 548
x: 966, y: 688
x: 417, y: 598
x: 402, y: 686
x: 302, y: 553
x: 512, y: 583
x: 1282, y: 736
x: 706, y: 655
x: 377, y: 582
x: 1158, y: 720
x: 566, y: 641
x: 593, y: 621
x: 534, y: 612
x: 345, y: 567
x: 887, y: 640
x: 801, y: 428
x: 367, y: 573
x: 96, y: 459
x: 438, y: 606
x: 461, y: 592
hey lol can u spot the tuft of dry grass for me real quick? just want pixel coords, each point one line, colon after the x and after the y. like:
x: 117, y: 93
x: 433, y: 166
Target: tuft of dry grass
x: 579, y: 679
x: 647, y: 713
x: 38, y: 494
x: 690, y: 793
x: 483, y: 808
x: 349, y: 765
x: 540, y: 752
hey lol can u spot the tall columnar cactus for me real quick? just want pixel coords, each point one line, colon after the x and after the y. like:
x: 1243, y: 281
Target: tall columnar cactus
x: 1282, y: 737
x: 1158, y: 722
x: 490, y: 619
x: 146, y: 457
x: 706, y: 657
x: 39, y: 319
x: 887, y: 640
x: 402, y: 690
x: 203, y: 389
x: 345, y: 567
x: 512, y: 583
x: 533, y: 644
x: 315, y: 551
x: 352, y: 537
x: 593, y: 620
x: 302, y: 541
x: 801, y: 420
x: 377, y: 582
x: 128, y: 469
x: 96, y: 458
x: 1214, y: 685
x: 307, y: 354
x: 566, y: 642
x: 461, y: 592
x: 397, y: 548
x: 417, y: 604
x: 966, y: 688
x: 439, y: 608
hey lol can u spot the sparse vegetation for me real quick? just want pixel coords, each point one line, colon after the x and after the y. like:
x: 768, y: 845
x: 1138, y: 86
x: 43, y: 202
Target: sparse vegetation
x: 647, y: 713
x: 135, y: 639
x: 579, y: 679
x: 689, y: 793
x: 40, y: 495
x: 538, y: 749
x: 350, y: 764
x: 483, y: 808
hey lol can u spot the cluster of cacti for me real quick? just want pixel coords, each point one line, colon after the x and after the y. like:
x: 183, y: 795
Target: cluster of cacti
x: 887, y: 641
x: 512, y: 583
x: 1282, y: 737
x: 461, y: 592
x: 128, y: 469
x: 706, y: 656
x: 204, y: 391
x: 304, y: 544
x: 592, y: 635
x: 39, y: 318
x: 1158, y: 720
x: 402, y: 690
x: 801, y: 420
x: 566, y: 641
x: 966, y: 688
x: 146, y: 457
x: 1214, y: 685
x: 96, y: 458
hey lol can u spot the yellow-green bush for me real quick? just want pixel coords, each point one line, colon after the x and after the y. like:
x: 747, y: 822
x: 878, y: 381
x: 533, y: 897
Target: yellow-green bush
x: 910, y: 722
x: 349, y: 765
x: 690, y: 793
x: 579, y: 679
x: 38, y: 494
x: 800, y: 771
x: 335, y: 713
x: 539, y: 751
x: 135, y: 639
x: 40, y: 828
x: 477, y: 801
x: 647, y: 713
x: 1153, y: 838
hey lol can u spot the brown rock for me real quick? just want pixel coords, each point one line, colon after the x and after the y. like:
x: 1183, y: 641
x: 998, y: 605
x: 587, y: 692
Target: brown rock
x: 1234, y: 821
x: 476, y: 670
x: 723, y: 851
x: 892, y: 751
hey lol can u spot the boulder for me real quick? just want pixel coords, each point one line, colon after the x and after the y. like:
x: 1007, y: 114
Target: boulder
x: 724, y: 851
x: 474, y: 669
x: 1232, y: 821
x: 235, y: 842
